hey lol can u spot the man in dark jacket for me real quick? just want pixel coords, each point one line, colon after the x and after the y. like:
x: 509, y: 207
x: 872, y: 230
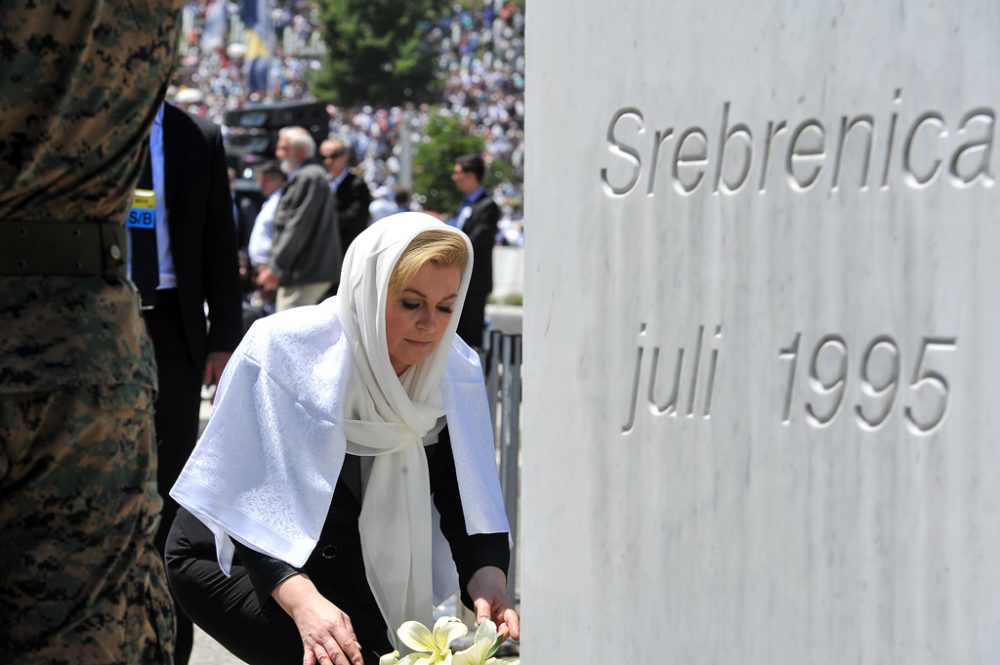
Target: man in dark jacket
x: 351, y: 191
x: 478, y: 218
x: 306, y: 250
x: 194, y: 264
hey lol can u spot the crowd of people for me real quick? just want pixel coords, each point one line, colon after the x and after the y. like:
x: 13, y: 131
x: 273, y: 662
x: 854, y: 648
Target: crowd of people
x: 483, y: 55
x: 480, y: 61
x: 212, y: 77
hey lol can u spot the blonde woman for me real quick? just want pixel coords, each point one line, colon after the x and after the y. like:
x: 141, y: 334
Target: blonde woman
x: 347, y: 473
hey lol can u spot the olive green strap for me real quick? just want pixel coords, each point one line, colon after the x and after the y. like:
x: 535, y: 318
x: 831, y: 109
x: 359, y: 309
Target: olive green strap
x: 51, y: 247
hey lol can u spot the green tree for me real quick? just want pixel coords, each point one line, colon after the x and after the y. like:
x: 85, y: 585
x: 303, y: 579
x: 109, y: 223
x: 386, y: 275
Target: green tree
x: 376, y: 52
x: 446, y: 139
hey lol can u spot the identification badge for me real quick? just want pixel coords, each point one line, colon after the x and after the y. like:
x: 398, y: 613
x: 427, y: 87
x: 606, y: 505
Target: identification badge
x: 143, y: 212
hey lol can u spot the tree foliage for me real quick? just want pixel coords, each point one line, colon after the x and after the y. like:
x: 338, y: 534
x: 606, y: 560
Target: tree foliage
x: 434, y: 161
x: 376, y: 52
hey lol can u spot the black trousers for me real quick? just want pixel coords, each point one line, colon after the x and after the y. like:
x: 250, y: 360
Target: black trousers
x: 176, y: 416
x: 254, y: 628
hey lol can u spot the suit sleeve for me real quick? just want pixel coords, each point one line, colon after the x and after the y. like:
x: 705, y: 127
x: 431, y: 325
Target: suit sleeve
x: 301, y: 209
x: 470, y: 553
x: 483, y: 232
x: 220, y: 270
x: 265, y: 572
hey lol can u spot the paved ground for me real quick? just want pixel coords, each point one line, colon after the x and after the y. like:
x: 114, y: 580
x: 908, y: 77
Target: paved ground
x: 208, y: 652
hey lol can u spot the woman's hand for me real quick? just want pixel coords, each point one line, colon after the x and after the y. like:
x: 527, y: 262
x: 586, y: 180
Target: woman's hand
x: 327, y: 635
x: 487, y: 590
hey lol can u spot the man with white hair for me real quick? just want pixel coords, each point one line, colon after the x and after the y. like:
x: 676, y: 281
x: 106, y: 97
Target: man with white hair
x: 305, y: 251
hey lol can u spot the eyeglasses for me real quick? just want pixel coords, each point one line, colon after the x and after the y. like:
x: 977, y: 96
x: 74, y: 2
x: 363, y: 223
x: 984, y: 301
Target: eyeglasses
x: 335, y: 154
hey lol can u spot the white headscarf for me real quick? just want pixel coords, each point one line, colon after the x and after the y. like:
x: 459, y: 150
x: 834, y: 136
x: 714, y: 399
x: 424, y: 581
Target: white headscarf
x: 307, y: 385
x: 387, y: 417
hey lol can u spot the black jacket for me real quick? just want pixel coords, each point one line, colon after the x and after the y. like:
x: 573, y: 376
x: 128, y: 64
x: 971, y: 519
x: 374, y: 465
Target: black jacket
x: 202, y: 233
x: 353, y: 199
x: 481, y: 227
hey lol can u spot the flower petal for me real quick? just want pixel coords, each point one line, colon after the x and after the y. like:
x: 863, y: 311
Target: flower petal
x: 466, y: 657
x: 486, y: 633
x: 389, y: 659
x: 416, y: 636
x: 482, y: 646
x: 447, y: 629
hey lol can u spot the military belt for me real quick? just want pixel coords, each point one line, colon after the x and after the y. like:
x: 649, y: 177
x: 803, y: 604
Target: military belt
x: 55, y: 247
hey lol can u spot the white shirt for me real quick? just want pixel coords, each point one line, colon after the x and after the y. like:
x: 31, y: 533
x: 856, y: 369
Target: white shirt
x: 259, y: 247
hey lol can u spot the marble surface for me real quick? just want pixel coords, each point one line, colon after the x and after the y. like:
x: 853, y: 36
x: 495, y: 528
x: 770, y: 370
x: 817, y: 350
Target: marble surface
x: 762, y: 376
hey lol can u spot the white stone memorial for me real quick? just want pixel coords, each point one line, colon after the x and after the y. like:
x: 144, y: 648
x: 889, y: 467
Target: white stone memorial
x: 762, y: 333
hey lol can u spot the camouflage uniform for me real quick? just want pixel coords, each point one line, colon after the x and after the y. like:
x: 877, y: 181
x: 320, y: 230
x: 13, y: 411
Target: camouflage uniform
x: 80, y: 581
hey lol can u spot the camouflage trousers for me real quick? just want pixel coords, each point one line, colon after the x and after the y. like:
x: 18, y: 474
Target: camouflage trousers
x: 80, y: 579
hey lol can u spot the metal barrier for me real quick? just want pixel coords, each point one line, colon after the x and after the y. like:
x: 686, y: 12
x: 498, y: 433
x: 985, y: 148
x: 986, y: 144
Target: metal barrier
x: 503, y: 389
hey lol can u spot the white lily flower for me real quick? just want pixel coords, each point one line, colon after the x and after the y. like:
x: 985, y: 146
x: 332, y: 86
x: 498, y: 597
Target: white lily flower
x: 486, y: 643
x: 416, y: 636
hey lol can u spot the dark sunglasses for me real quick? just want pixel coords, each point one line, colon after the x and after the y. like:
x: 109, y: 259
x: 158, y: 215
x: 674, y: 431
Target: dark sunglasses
x: 335, y: 154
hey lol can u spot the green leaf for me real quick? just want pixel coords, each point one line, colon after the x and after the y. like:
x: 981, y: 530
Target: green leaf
x: 496, y: 645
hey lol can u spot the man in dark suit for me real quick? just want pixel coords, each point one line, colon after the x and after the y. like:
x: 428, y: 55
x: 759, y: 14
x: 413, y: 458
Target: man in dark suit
x: 478, y: 218
x: 187, y: 260
x: 353, y: 197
